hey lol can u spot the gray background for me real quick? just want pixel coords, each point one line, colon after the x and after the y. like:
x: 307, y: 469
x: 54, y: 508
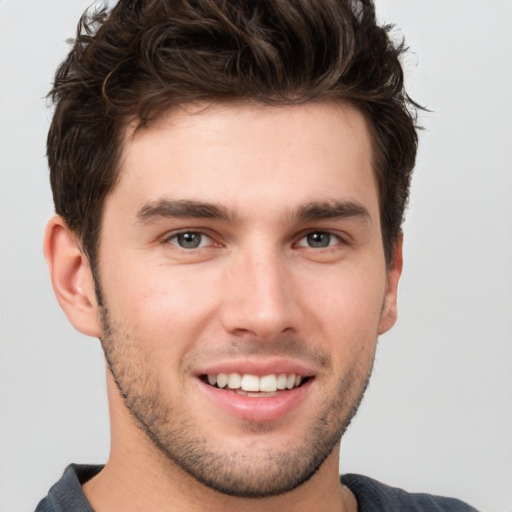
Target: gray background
x: 438, y: 414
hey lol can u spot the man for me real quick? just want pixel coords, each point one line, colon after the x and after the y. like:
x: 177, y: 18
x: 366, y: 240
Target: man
x: 229, y: 181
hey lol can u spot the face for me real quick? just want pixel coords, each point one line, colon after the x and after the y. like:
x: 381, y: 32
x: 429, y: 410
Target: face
x: 243, y: 288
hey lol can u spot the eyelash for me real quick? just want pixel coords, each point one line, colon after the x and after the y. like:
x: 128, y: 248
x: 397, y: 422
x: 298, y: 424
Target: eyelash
x: 175, y: 236
x: 338, y: 239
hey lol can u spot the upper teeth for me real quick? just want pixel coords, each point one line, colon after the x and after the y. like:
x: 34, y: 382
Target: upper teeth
x: 248, y: 382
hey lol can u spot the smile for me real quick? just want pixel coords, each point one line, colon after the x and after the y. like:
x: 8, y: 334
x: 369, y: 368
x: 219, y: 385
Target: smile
x: 254, y: 386
x: 256, y: 389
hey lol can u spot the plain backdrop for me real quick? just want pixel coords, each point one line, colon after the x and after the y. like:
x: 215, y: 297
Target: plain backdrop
x: 438, y: 414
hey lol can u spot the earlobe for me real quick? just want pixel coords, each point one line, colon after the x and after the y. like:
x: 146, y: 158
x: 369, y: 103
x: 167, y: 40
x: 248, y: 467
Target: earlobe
x: 71, y: 277
x: 389, y: 309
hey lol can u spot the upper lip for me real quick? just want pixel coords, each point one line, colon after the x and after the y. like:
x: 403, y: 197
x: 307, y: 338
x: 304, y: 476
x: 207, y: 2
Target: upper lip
x: 256, y: 367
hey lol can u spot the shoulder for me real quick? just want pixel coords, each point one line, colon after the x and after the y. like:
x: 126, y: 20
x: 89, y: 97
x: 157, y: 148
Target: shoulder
x: 372, y: 495
x: 66, y: 495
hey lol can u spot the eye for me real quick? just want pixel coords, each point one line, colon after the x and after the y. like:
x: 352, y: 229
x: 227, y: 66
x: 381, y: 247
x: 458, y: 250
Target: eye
x: 318, y: 239
x: 190, y: 240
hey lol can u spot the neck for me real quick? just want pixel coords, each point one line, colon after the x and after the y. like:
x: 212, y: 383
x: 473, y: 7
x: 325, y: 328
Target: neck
x: 124, y: 488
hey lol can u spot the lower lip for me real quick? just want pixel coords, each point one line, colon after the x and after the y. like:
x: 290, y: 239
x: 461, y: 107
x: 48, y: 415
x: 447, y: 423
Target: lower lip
x: 258, y: 409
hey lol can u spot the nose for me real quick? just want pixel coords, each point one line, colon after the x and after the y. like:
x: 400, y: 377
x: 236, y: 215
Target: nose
x: 259, y: 296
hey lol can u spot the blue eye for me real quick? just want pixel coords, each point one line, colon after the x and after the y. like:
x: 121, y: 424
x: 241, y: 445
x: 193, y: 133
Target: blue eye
x: 318, y: 239
x: 190, y: 240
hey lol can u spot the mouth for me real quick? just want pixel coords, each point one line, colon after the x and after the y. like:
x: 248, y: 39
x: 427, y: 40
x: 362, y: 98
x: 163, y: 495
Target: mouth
x: 257, y: 389
x: 254, y: 386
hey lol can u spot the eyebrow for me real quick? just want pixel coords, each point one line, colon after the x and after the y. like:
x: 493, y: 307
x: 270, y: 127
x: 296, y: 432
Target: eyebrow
x: 166, y: 208
x: 332, y: 210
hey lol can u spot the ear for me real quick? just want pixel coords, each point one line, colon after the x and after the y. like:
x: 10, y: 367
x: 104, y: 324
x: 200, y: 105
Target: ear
x: 71, y: 277
x: 388, y: 314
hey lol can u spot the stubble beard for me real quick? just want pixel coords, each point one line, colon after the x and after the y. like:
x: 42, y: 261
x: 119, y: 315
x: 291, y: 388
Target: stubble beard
x: 247, y: 475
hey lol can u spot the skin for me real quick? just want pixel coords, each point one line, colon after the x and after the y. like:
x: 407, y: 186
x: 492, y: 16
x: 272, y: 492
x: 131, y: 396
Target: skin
x: 273, y: 282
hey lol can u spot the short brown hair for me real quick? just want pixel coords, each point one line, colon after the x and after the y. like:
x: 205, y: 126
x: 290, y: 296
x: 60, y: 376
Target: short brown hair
x: 144, y: 56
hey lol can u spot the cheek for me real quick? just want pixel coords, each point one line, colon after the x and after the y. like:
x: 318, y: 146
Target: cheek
x: 349, y: 310
x: 164, y: 307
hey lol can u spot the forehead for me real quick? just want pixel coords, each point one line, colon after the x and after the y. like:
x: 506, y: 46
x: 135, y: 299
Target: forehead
x: 238, y: 153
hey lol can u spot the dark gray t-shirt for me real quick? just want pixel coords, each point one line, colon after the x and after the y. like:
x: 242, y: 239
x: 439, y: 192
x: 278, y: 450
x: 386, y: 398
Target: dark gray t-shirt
x: 372, y: 496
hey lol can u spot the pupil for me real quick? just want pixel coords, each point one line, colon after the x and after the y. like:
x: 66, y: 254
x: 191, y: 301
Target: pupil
x: 319, y: 239
x: 189, y: 240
